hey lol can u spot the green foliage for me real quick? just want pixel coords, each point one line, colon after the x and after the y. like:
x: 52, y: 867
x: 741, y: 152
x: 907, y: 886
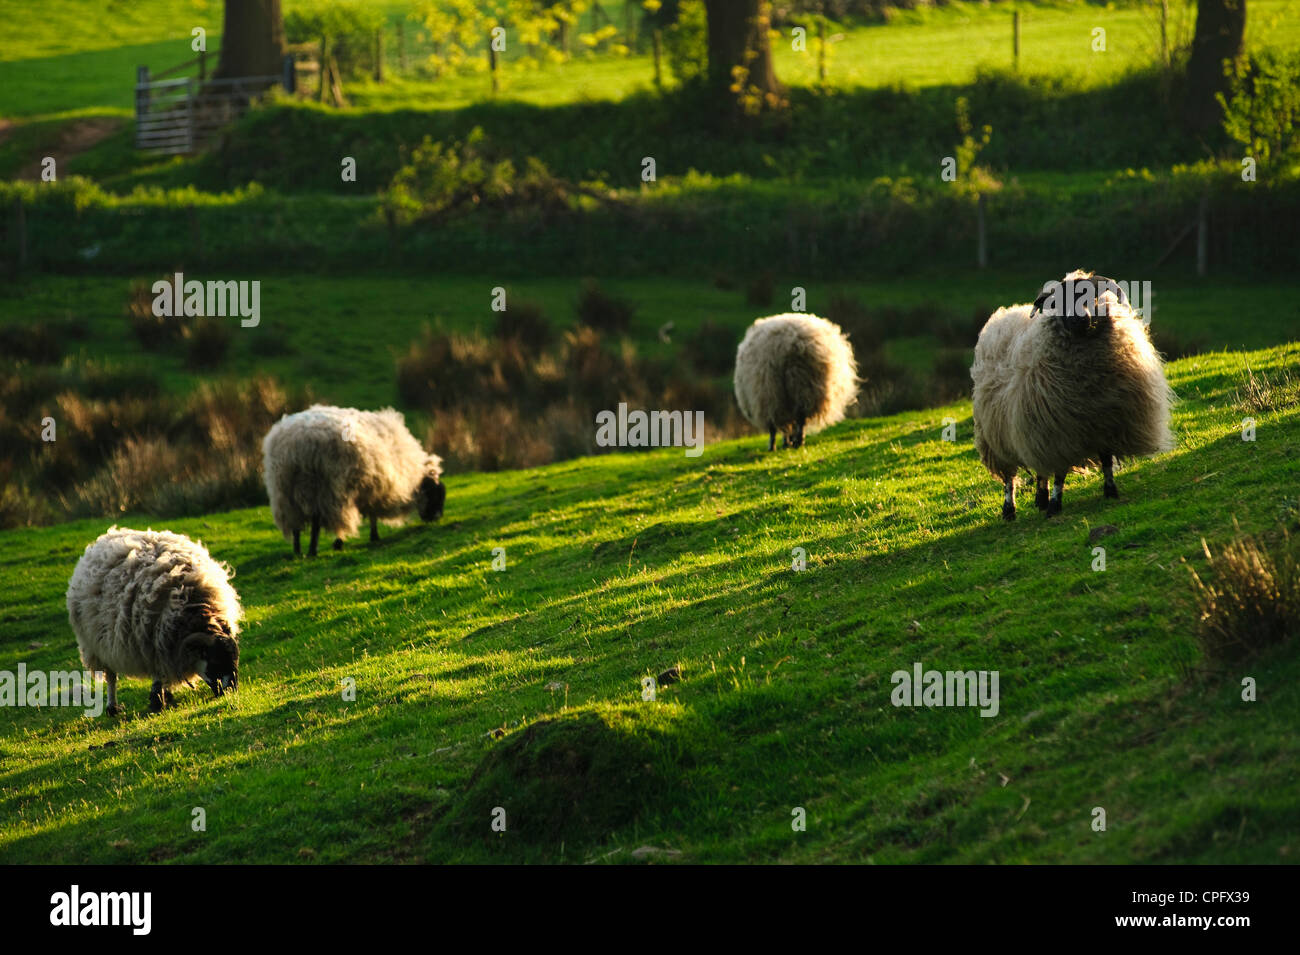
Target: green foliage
x: 686, y: 42
x: 1262, y: 109
x: 349, y: 25
x: 445, y: 180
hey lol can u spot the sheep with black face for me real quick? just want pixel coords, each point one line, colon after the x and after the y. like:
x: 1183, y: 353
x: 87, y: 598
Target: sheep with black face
x: 1065, y: 382
x: 152, y: 603
x: 329, y: 467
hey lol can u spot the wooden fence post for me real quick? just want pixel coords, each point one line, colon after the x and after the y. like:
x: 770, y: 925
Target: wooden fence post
x: 492, y: 63
x: 401, y: 46
x: 379, y: 56
x: 203, y: 65
x: 324, y: 53
x: 1015, y: 37
x: 289, y: 74
x: 821, y: 52
x: 982, y: 253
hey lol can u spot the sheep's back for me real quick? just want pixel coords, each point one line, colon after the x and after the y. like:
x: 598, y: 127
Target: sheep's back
x: 791, y: 363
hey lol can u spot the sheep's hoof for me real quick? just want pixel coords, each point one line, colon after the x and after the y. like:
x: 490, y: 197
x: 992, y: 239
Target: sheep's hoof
x: 1110, y: 491
x: 1053, y: 507
x: 1040, y: 500
x: 113, y: 709
x: 1008, y: 512
x: 155, y: 705
x: 338, y: 543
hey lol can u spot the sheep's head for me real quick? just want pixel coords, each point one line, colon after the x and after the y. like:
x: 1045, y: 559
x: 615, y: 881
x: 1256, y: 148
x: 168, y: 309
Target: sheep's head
x: 1081, y: 302
x: 432, y: 493
x: 209, y: 649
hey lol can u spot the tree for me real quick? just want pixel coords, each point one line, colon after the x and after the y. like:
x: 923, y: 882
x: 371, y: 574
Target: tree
x: 740, y: 54
x: 252, y: 42
x: 1219, y: 40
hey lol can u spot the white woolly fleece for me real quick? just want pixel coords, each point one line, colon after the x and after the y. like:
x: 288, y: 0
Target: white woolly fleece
x: 340, y: 464
x: 1051, y: 402
x: 795, y: 364
x: 129, y: 590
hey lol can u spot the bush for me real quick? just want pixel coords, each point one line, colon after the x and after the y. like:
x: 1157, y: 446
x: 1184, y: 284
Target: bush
x: 686, y: 42
x: 445, y: 180
x: 1262, y: 110
x: 40, y: 343
x: 350, y: 27
x: 526, y: 323
x: 207, y: 342
x: 153, y: 332
x: 602, y: 311
x: 1252, y: 602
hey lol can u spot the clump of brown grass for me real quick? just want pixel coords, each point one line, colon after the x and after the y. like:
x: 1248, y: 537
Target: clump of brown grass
x: 1261, y: 392
x: 1253, y: 600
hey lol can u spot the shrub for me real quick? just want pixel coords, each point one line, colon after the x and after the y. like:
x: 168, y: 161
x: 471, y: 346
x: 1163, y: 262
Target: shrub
x: 39, y: 343
x: 153, y: 332
x: 1262, y: 110
x: 350, y: 27
x: 526, y: 323
x: 601, y: 311
x: 686, y: 42
x: 446, y: 180
x: 1252, y: 602
x: 207, y: 342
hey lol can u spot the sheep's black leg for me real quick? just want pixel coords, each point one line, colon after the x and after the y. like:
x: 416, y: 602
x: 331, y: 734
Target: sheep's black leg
x: 168, y: 699
x: 771, y: 437
x: 1054, y: 503
x: 110, y: 681
x: 374, y: 530
x: 297, y: 545
x: 1040, y: 496
x: 156, y: 697
x: 338, y: 543
x: 1009, y: 500
x: 315, y: 537
x: 798, y: 432
x: 1108, y: 469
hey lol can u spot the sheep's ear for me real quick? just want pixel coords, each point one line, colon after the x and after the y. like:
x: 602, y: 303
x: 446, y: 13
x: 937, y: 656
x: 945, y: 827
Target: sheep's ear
x: 1043, y: 296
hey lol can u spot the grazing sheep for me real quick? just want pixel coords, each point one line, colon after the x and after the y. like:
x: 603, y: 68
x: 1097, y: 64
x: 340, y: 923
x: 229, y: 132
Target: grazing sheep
x: 152, y: 603
x: 794, y: 371
x: 329, y: 466
x: 1067, y: 381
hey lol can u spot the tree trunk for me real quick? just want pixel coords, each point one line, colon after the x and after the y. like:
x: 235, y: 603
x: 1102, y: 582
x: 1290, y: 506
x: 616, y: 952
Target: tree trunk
x: 1220, y: 33
x: 740, y: 55
x: 252, y: 42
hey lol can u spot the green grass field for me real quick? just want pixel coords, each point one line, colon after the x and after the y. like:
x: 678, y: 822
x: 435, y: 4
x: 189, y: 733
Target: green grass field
x: 621, y: 566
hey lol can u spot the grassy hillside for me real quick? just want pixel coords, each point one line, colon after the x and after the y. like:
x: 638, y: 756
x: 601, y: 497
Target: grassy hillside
x: 520, y: 689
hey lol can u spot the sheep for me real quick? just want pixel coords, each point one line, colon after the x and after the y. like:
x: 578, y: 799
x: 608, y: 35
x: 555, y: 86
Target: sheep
x: 794, y: 371
x: 329, y: 466
x: 152, y: 603
x: 1066, y: 382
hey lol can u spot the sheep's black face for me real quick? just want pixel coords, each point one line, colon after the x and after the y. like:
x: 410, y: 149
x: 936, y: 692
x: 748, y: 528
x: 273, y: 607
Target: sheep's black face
x: 220, y: 665
x: 430, y: 498
x: 1081, y: 305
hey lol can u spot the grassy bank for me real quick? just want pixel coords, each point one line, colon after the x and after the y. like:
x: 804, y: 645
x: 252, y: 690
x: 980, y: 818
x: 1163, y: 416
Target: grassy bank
x: 622, y: 566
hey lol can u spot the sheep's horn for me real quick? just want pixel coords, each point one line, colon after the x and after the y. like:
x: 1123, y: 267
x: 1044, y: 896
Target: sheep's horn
x: 1103, y: 284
